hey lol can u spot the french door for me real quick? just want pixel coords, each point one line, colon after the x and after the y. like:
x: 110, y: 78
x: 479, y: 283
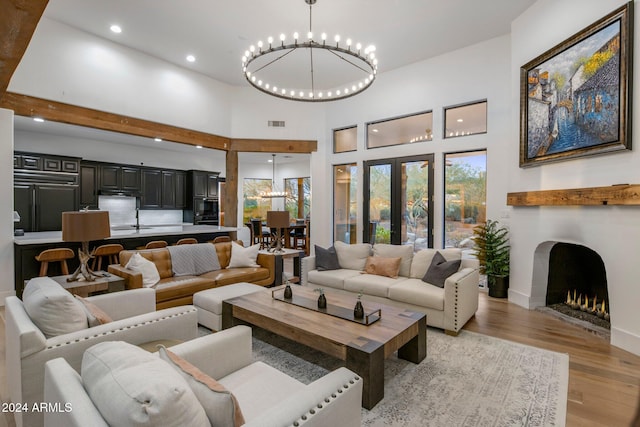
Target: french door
x: 398, y: 201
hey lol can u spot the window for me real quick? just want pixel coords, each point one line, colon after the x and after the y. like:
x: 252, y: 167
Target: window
x: 345, y: 139
x: 255, y: 206
x: 345, y: 207
x: 401, y: 130
x: 464, y: 120
x: 298, y: 201
x: 397, y: 194
x: 465, y: 196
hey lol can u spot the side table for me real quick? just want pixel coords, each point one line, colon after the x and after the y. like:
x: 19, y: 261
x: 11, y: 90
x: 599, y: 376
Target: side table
x: 106, y: 283
x: 280, y: 256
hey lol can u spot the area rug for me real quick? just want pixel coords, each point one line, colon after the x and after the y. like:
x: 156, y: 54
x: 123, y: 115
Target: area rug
x: 468, y: 380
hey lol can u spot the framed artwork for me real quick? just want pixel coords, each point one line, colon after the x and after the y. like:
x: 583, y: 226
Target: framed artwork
x: 575, y: 99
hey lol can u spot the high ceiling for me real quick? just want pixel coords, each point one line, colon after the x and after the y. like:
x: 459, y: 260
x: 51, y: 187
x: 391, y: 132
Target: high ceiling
x: 218, y: 32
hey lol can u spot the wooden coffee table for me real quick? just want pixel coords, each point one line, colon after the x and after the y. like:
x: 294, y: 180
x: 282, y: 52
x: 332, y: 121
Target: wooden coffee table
x: 362, y: 347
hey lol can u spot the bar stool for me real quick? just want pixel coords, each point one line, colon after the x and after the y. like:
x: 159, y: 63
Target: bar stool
x: 60, y: 255
x: 187, y: 241
x: 110, y: 252
x: 219, y: 239
x: 155, y: 244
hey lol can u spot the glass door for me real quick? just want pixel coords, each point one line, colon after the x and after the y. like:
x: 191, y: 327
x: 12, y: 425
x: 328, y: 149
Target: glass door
x: 398, y: 194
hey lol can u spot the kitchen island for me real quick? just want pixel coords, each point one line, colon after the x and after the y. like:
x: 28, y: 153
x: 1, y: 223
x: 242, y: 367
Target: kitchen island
x: 31, y: 244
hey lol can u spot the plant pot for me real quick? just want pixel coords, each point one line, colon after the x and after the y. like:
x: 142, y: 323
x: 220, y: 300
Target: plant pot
x: 322, y: 301
x: 358, y: 311
x: 498, y: 286
x: 288, y: 294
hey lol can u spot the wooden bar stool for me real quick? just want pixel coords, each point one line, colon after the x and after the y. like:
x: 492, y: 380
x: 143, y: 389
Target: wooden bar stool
x: 155, y: 244
x: 110, y: 252
x: 187, y: 241
x: 60, y: 255
x: 219, y: 239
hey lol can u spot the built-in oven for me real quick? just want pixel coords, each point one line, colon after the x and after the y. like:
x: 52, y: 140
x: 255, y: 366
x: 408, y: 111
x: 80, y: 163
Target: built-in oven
x: 205, y: 211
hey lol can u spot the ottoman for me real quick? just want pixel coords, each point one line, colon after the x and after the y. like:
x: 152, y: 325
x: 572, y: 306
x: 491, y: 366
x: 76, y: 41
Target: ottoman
x: 209, y: 302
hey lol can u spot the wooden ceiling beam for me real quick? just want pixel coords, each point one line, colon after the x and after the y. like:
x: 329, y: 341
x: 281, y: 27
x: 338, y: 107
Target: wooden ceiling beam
x: 273, y: 146
x: 29, y: 106
x: 18, y: 22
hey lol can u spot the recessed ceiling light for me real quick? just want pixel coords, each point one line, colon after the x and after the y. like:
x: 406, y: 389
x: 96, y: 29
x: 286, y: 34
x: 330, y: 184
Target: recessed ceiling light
x: 191, y: 58
x: 459, y: 120
x: 116, y: 29
x: 198, y: 146
x: 374, y: 130
x: 157, y: 139
x: 38, y: 119
x: 270, y: 161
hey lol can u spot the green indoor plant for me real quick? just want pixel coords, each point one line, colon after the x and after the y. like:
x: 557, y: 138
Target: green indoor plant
x: 492, y: 250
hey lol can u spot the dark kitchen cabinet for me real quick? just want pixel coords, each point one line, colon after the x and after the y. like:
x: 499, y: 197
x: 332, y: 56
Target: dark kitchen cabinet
x: 181, y: 190
x: 205, y: 184
x: 151, y: 189
x: 168, y: 189
x: 114, y: 178
x: 40, y: 206
x: 212, y: 185
x: 89, y: 185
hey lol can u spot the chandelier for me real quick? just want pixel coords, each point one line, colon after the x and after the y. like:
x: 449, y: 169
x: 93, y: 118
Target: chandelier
x: 273, y: 194
x: 260, y: 62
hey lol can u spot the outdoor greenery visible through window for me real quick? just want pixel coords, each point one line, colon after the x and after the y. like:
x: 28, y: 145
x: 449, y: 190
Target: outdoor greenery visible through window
x: 255, y: 206
x: 299, y: 196
x: 463, y: 120
x: 401, y: 130
x: 345, y: 139
x: 345, y: 207
x: 465, y: 196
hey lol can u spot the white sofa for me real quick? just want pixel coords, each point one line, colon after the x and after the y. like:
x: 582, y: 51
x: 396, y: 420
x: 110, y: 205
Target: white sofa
x: 135, y: 320
x: 266, y: 396
x: 448, y: 308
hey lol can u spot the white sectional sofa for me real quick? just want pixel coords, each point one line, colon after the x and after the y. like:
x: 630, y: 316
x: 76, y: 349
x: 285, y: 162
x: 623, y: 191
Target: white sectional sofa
x: 448, y: 307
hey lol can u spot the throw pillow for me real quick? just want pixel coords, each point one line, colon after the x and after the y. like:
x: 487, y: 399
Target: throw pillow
x: 219, y: 404
x: 132, y: 387
x: 422, y: 260
x: 352, y: 257
x: 326, y: 259
x: 391, y: 251
x: 52, y: 308
x: 95, y: 315
x: 148, y: 269
x: 440, y: 269
x: 243, y: 257
x: 380, y: 266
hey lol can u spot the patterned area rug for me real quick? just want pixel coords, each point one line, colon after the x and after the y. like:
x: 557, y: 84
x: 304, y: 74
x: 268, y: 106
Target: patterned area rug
x: 469, y: 380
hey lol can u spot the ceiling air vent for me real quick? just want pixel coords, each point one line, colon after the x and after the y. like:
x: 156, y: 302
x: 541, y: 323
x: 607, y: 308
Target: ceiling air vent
x: 276, y: 123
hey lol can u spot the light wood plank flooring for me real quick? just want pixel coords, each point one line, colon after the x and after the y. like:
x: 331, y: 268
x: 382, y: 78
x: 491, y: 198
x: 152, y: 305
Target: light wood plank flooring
x: 604, y: 381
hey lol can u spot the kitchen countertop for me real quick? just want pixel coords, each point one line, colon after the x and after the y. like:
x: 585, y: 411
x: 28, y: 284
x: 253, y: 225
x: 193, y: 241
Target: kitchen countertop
x: 120, y: 233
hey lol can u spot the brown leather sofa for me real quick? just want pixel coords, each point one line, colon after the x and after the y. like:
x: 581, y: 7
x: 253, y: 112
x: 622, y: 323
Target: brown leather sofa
x: 174, y: 291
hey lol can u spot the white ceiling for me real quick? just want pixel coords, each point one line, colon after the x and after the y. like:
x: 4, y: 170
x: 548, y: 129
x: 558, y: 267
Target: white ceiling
x: 218, y: 32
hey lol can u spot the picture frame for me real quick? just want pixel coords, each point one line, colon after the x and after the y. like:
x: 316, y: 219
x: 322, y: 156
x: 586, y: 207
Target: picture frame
x: 575, y: 99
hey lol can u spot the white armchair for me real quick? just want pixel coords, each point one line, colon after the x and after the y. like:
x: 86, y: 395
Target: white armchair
x: 134, y: 320
x: 266, y: 396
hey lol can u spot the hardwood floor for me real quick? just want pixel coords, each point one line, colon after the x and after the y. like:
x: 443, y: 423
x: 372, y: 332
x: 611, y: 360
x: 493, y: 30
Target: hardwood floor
x: 604, y: 381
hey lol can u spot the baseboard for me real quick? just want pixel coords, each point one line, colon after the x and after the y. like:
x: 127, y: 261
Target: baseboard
x: 519, y: 298
x: 625, y: 340
x: 5, y: 294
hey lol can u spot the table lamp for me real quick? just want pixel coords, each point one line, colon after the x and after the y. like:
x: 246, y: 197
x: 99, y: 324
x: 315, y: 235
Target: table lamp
x: 85, y: 226
x: 278, y: 220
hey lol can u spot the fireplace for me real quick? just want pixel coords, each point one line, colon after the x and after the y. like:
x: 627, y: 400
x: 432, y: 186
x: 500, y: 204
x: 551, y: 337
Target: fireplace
x: 576, y: 282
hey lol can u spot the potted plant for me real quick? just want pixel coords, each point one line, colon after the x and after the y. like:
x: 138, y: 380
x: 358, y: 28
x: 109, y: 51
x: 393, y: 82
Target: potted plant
x: 492, y: 250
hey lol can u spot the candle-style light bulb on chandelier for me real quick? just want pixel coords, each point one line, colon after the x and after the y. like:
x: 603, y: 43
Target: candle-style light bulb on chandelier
x: 260, y: 58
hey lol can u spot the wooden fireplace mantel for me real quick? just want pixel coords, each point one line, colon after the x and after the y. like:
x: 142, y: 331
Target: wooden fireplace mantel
x: 620, y: 194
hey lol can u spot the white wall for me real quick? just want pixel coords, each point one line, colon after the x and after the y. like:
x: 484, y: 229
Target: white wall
x: 470, y: 74
x: 7, y: 287
x: 611, y: 231
x: 67, y: 65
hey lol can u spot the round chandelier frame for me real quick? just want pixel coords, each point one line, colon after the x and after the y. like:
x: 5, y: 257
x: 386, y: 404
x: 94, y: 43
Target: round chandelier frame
x: 363, y: 60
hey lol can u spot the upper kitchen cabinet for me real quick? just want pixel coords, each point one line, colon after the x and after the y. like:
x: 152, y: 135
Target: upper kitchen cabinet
x: 119, y: 179
x: 163, y: 189
x: 89, y: 184
x: 152, y: 180
x: 181, y: 189
x: 205, y: 184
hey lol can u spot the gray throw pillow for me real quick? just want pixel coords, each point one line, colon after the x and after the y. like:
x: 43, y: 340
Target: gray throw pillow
x: 440, y: 269
x: 326, y: 259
